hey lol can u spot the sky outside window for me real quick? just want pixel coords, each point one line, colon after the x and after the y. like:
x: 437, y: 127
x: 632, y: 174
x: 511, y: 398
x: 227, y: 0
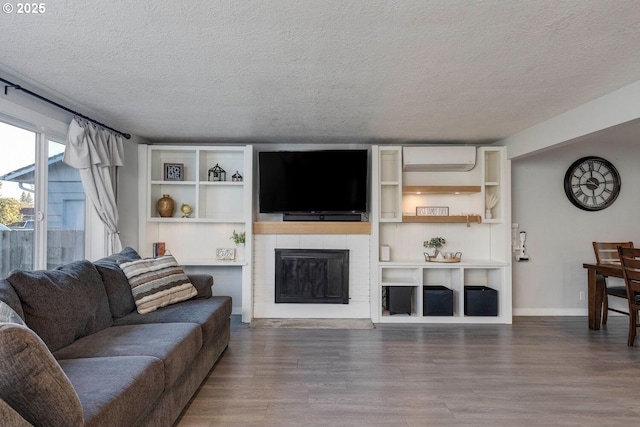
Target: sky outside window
x: 17, y: 150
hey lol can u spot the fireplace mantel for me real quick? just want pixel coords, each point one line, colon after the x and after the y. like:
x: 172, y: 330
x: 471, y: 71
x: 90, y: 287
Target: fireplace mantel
x: 311, y: 227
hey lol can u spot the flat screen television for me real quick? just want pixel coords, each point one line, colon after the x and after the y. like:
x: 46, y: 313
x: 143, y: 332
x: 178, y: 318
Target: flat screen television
x: 313, y: 182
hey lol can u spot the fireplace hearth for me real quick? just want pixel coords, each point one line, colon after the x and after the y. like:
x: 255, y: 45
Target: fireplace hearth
x: 312, y: 276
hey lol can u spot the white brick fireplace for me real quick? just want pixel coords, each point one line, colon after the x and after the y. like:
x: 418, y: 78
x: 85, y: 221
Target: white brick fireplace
x: 264, y: 305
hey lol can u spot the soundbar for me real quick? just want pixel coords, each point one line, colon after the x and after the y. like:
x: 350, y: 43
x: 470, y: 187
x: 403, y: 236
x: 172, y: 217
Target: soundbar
x: 338, y: 217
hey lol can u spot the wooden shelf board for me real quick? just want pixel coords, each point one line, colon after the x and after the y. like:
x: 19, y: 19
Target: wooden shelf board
x: 450, y: 218
x: 311, y: 227
x: 440, y: 189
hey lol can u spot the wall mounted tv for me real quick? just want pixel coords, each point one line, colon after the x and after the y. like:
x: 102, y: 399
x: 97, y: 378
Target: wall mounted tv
x: 314, y: 185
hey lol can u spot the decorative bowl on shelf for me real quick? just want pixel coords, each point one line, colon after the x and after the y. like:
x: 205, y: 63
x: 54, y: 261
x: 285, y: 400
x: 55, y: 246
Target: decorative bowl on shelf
x: 444, y: 257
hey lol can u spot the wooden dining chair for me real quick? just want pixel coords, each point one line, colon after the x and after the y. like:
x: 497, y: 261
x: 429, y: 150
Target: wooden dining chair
x: 607, y: 253
x: 630, y: 260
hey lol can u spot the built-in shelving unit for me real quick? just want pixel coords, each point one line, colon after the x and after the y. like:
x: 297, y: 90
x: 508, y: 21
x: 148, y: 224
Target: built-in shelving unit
x: 417, y: 276
x: 482, y: 236
x: 218, y: 207
x: 390, y: 185
x: 493, y: 182
x: 211, y: 201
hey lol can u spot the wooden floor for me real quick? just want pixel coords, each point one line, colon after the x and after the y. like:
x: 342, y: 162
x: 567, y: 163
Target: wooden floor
x: 536, y: 372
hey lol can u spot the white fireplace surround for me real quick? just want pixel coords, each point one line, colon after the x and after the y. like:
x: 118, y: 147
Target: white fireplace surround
x: 264, y: 276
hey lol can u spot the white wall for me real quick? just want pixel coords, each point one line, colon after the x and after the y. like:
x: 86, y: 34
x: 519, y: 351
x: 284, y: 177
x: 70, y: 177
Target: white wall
x: 559, y: 235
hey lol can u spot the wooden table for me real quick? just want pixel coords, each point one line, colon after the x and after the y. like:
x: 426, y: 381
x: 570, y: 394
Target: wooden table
x: 596, y: 278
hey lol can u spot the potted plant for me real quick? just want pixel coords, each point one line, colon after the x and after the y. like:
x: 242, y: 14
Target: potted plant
x: 435, y: 243
x: 238, y: 238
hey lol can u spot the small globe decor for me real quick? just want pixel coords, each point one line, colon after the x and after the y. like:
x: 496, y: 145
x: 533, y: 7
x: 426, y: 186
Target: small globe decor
x: 186, y: 210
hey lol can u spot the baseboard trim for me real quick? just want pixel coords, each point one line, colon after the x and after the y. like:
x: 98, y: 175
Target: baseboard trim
x: 312, y: 323
x: 550, y: 312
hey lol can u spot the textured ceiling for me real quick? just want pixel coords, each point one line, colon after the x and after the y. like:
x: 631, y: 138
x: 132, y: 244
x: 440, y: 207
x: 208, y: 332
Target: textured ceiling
x: 314, y: 70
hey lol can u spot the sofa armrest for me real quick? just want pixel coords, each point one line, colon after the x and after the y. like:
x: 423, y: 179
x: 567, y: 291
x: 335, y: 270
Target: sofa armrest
x: 203, y: 283
x: 10, y: 417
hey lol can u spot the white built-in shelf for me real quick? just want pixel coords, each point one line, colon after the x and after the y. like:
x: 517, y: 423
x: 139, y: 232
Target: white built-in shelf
x: 212, y: 263
x: 218, y: 207
x: 223, y: 183
x: 449, y: 218
x: 401, y: 192
x: 170, y: 183
x: 441, y: 189
x: 179, y: 220
x: 471, y: 263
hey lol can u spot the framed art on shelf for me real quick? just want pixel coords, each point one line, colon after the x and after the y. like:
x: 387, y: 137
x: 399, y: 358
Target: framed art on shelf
x: 174, y: 172
x: 432, y: 211
x: 225, y: 254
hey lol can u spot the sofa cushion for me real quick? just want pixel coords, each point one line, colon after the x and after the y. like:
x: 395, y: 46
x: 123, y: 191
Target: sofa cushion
x: 64, y: 304
x: 32, y: 382
x: 157, y: 282
x: 211, y: 314
x: 115, y: 391
x: 176, y: 344
x: 115, y: 282
x: 10, y: 297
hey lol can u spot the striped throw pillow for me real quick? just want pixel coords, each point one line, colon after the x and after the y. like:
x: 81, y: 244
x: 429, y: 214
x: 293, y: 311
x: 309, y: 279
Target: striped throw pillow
x: 157, y: 282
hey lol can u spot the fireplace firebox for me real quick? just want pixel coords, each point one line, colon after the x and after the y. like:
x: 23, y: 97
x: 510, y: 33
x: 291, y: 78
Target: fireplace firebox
x: 312, y: 276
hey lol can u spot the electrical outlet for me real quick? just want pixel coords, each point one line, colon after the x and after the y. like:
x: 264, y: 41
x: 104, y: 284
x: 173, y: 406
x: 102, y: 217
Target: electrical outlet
x: 582, y: 295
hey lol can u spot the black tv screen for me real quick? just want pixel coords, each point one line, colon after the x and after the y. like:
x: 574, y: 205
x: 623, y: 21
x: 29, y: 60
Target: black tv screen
x: 325, y: 181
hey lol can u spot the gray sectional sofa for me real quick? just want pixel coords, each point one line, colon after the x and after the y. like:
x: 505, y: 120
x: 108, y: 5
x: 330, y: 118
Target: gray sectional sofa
x: 75, y: 352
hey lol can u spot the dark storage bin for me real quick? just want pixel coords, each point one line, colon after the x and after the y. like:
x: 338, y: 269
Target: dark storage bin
x: 480, y: 301
x: 437, y: 301
x: 399, y: 299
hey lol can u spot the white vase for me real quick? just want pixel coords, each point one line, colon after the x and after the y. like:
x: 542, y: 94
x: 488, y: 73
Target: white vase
x: 488, y: 214
x: 240, y: 252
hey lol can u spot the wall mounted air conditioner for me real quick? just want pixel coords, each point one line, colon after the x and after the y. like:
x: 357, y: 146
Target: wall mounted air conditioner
x: 438, y: 158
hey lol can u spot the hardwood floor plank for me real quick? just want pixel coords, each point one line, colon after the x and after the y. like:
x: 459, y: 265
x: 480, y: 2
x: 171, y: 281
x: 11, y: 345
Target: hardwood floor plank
x: 537, y: 372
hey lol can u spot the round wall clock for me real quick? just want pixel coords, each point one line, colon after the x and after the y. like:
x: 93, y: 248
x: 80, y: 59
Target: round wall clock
x: 592, y: 183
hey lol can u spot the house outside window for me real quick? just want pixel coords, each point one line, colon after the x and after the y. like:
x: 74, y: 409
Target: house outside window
x: 42, y: 203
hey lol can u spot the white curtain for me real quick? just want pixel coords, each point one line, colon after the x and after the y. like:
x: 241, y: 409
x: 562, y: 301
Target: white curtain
x: 97, y: 153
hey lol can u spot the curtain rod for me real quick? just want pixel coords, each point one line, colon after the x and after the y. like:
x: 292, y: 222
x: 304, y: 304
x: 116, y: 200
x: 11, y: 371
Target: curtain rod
x: 8, y: 84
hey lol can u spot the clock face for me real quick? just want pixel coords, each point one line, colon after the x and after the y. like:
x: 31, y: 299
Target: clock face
x: 592, y: 183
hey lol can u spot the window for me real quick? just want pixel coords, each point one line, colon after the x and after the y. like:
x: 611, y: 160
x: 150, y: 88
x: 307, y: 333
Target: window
x: 65, y: 210
x: 42, y: 204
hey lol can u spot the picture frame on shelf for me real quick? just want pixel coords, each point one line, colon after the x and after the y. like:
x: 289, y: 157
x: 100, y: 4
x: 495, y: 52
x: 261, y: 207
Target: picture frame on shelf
x: 174, y: 171
x: 225, y: 254
x: 432, y: 211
